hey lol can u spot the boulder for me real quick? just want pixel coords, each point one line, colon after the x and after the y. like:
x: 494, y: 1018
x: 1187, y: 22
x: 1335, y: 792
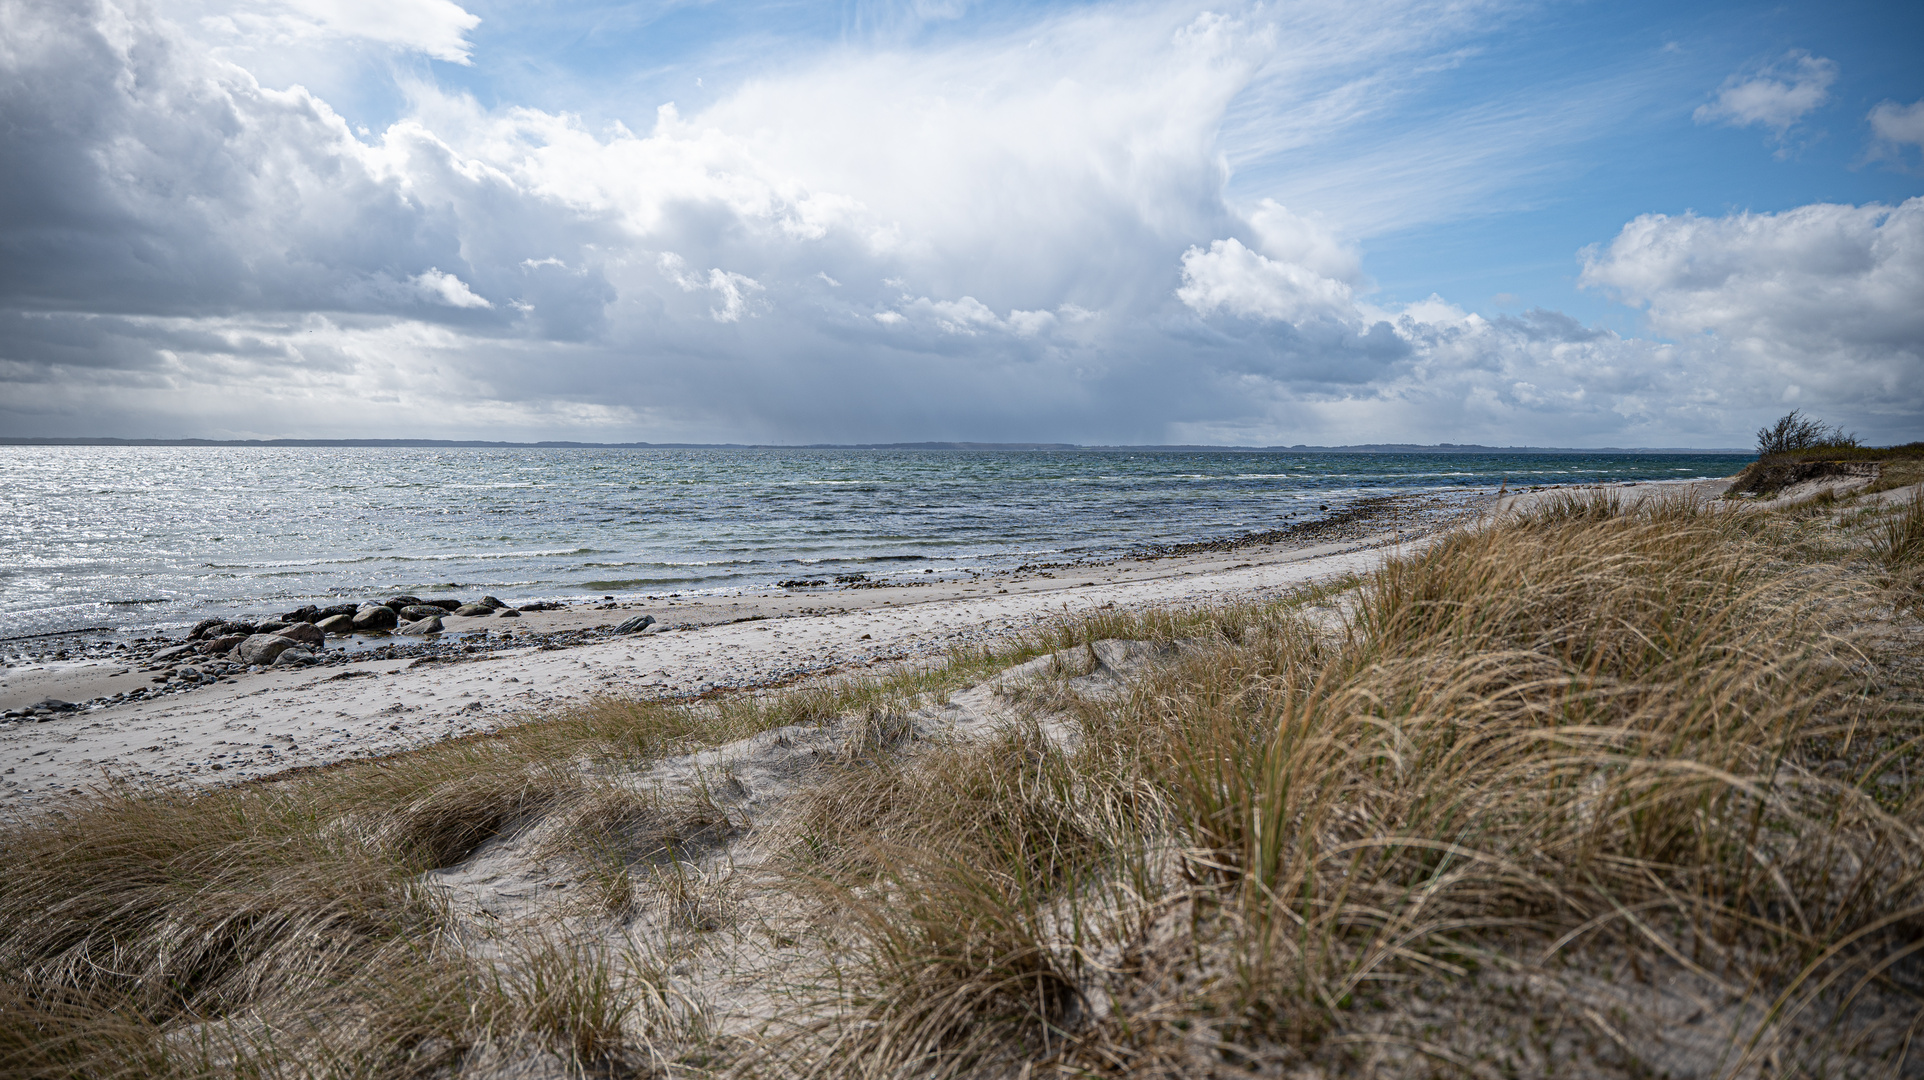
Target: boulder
x: 305, y: 633
x: 472, y: 610
x: 429, y: 625
x: 636, y: 625
x: 229, y: 628
x: 169, y: 654
x: 491, y: 602
x: 444, y: 604
x: 399, y: 602
x: 53, y: 705
x: 293, y: 657
x: 272, y: 625
x: 201, y: 627
x: 507, y: 613
x: 375, y: 617
x: 222, y: 644
x: 337, y: 609
x: 264, y: 648
x: 414, y: 612
x: 304, y: 614
x: 337, y: 624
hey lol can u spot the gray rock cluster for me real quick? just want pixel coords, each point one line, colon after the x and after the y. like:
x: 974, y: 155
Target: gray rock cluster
x: 306, y: 627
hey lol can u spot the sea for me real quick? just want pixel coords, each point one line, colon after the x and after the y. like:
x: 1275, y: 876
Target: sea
x: 137, y: 539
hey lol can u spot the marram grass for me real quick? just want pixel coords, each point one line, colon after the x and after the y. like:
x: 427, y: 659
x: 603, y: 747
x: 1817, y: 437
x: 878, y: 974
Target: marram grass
x: 1606, y: 789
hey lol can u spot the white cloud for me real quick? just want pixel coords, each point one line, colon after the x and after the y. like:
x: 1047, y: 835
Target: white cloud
x: 439, y: 287
x: 1895, y: 127
x: 1774, y: 95
x: 735, y: 291
x: 1016, y: 236
x: 1305, y: 241
x: 1899, y: 123
x: 1825, y: 296
x: 436, y: 28
x: 1233, y: 279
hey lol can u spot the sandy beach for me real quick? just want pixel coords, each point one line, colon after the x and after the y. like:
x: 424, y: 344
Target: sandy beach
x: 256, y: 725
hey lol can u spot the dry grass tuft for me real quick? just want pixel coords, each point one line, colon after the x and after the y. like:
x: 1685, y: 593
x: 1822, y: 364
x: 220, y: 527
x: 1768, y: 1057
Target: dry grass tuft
x: 1601, y: 741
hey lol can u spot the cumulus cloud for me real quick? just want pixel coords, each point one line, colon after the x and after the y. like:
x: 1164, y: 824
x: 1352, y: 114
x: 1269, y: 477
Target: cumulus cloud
x: 1017, y: 235
x: 1822, y: 296
x: 440, y: 287
x: 1896, y: 128
x: 1229, y: 277
x: 1775, y: 95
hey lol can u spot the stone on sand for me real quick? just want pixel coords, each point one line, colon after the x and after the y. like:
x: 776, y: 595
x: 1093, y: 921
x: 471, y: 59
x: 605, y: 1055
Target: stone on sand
x: 305, y: 633
x: 264, y: 648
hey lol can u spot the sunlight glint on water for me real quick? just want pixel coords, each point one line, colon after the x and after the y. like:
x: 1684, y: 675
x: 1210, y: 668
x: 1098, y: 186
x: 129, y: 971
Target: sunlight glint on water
x: 138, y: 537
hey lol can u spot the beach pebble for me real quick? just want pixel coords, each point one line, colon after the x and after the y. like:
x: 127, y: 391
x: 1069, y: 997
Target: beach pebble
x: 375, y: 617
x: 305, y: 633
x: 430, y: 625
x: 264, y: 648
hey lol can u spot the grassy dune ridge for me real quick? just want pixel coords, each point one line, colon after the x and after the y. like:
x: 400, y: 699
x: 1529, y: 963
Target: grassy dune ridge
x: 1601, y: 789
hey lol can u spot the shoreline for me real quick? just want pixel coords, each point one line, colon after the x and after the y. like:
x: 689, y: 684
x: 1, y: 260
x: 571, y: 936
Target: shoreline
x: 370, y: 703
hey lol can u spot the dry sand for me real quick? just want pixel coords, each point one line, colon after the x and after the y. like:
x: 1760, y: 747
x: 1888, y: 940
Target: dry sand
x: 266, y: 723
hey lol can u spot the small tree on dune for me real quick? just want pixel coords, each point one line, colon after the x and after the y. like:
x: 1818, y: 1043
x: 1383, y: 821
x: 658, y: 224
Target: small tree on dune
x: 1795, y: 431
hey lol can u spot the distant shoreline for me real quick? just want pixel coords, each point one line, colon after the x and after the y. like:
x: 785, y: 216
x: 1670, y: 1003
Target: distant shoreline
x: 459, y: 444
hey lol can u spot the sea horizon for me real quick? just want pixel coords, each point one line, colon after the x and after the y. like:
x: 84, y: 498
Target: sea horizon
x: 141, y: 538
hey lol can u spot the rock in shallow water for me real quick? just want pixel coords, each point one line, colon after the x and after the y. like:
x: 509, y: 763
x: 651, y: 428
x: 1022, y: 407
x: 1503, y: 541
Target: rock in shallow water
x: 413, y: 612
x: 375, y: 617
x: 337, y: 624
x: 429, y: 625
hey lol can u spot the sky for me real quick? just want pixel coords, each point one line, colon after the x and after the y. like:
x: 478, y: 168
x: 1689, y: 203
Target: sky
x: 1323, y: 222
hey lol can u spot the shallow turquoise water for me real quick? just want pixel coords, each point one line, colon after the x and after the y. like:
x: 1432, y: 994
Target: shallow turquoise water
x: 142, y: 537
